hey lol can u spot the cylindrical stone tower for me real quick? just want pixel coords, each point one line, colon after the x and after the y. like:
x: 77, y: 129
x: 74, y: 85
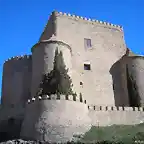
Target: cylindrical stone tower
x: 55, y: 119
x: 43, y: 57
x: 15, y: 86
x: 136, y: 74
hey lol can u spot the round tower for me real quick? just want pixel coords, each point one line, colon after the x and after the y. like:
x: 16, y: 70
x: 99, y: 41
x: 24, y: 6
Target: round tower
x: 43, y: 57
x: 55, y: 118
x: 136, y: 80
x: 16, y: 83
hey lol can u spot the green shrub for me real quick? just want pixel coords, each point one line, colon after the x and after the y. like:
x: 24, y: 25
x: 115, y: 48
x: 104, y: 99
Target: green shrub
x: 126, y: 134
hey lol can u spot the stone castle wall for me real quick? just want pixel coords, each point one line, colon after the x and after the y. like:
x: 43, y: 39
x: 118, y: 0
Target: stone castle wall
x: 15, y: 86
x: 16, y: 80
x: 43, y: 57
x: 106, y: 116
x: 108, y: 46
x: 65, y: 116
x: 136, y: 70
x: 60, y: 117
x: 103, y: 86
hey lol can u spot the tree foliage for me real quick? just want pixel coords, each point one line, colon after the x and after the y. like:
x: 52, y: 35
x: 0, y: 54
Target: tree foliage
x: 57, y: 81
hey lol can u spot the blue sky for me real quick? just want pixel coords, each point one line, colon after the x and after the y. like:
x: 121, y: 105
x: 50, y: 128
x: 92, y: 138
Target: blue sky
x: 22, y: 21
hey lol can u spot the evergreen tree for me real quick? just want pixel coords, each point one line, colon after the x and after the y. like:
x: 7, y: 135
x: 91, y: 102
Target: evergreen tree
x: 57, y: 81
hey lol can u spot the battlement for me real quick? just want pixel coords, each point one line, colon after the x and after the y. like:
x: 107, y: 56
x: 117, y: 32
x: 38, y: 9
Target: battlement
x: 91, y: 21
x: 56, y: 97
x: 114, y: 108
x: 53, y: 16
x: 18, y: 58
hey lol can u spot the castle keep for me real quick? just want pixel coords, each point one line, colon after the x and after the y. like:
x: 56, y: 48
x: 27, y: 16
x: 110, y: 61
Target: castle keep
x: 102, y: 69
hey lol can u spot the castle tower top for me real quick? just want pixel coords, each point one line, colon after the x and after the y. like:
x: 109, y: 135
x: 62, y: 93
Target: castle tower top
x: 51, y: 26
x: 94, y: 21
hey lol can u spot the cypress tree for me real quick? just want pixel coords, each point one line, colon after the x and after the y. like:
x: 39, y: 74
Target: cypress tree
x: 58, y: 80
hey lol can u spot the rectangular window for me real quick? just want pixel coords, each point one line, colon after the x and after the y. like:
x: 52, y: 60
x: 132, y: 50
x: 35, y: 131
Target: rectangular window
x: 87, y: 67
x: 87, y: 43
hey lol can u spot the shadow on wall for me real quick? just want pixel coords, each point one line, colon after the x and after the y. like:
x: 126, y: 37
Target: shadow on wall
x: 119, y: 94
x: 134, y: 97
x: 10, y: 129
x: 3, y: 131
x: 115, y: 71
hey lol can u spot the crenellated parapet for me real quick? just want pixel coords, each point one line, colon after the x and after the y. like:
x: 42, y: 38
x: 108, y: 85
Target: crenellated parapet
x: 56, y: 97
x: 18, y: 58
x: 55, y: 14
x: 112, y: 115
x: 114, y: 108
x: 65, y: 115
x: 90, y: 21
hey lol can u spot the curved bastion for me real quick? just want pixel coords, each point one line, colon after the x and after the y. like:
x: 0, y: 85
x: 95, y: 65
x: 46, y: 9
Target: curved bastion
x: 43, y: 54
x: 16, y: 80
x: 55, y: 118
x: 136, y: 72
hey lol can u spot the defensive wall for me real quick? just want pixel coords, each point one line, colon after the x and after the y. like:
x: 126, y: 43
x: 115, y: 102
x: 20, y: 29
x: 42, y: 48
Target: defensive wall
x: 61, y: 116
x: 103, y: 86
x: 107, y: 47
x: 107, y: 115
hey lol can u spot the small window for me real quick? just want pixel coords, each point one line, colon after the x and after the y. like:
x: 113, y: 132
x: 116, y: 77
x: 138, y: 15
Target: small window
x: 87, y: 67
x: 87, y: 43
x: 81, y: 83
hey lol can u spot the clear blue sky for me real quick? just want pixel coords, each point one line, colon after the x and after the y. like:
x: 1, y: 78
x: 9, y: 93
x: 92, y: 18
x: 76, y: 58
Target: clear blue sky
x: 22, y: 21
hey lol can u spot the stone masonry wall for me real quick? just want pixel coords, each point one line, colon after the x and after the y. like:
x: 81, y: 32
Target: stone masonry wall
x: 59, y: 117
x: 103, y: 86
x: 15, y: 92
x: 119, y: 77
x: 62, y: 117
x: 108, y: 46
x: 43, y: 58
x: 124, y: 98
x: 106, y: 116
x: 136, y: 70
x: 16, y: 81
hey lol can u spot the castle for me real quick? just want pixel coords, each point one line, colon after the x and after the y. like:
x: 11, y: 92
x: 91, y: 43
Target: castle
x: 107, y: 74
